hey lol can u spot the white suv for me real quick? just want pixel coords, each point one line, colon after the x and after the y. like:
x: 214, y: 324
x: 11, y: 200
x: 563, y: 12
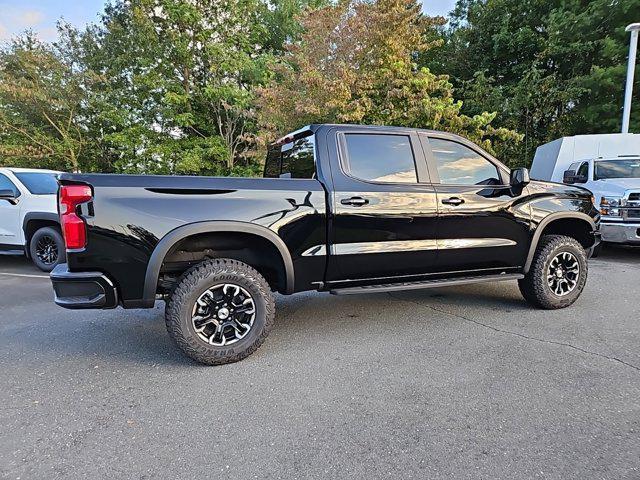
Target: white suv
x: 29, y: 221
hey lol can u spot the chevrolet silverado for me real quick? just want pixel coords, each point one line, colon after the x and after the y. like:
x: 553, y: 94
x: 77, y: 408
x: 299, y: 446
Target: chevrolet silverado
x: 344, y: 209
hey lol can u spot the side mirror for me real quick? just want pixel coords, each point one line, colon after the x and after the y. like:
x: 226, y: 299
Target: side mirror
x: 519, y: 177
x: 9, y: 195
x: 569, y: 176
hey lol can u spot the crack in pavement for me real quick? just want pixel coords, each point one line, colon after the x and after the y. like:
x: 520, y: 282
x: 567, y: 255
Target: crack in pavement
x: 516, y: 334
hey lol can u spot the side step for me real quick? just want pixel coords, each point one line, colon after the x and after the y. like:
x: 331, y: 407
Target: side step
x: 394, y: 287
x: 12, y: 252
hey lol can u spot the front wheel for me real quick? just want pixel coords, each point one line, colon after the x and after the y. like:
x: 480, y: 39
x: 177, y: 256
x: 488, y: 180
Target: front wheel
x: 47, y: 248
x: 558, y: 273
x: 220, y: 311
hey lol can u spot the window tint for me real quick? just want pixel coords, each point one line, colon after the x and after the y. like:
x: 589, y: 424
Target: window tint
x: 617, y: 169
x: 459, y: 165
x: 298, y: 158
x: 6, y: 184
x: 272, y: 163
x: 584, y: 170
x: 39, y: 183
x: 295, y: 159
x: 380, y: 158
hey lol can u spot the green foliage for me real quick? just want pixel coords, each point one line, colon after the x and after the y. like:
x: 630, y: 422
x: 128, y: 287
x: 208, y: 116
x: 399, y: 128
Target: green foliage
x: 41, y: 106
x: 354, y: 63
x: 178, y: 96
x: 281, y: 21
x: 548, y: 67
x: 198, y: 86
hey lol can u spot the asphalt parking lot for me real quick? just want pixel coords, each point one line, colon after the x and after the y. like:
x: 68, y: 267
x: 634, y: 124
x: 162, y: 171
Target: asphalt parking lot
x: 463, y: 382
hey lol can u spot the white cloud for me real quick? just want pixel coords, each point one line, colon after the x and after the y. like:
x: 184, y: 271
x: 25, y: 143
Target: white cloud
x: 29, y: 18
x: 18, y: 19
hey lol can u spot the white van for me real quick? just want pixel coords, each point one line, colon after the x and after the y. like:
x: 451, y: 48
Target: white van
x: 29, y: 222
x: 609, y: 166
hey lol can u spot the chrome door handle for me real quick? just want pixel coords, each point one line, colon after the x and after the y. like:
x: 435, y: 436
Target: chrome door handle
x: 354, y: 201
x: 453, y: 201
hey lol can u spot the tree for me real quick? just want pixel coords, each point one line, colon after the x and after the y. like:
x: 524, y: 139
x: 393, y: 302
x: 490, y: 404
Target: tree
x: 42, y: 97
x: 548, y: 67
x: 355, y: 63
x: 179, y: 91
x: 280, y: 18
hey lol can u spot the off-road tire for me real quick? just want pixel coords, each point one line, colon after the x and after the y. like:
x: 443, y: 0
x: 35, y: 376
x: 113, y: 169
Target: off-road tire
x: 56, y: 237
x: 534, y: 286
x: 195, y: 282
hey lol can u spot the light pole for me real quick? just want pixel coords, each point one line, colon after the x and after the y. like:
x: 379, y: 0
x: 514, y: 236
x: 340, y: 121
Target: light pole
x: 631, y: 66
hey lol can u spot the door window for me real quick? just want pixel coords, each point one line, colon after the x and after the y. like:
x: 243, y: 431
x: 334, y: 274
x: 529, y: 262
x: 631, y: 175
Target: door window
x: 6, y: 184
x: 380, y: 158
x: 39, y: 183
x: 459, y: 165
x: 292, y: 160
x: 574, y: 166
x: 583, y: 171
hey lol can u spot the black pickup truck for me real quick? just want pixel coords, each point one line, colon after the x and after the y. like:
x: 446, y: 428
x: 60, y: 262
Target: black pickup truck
x: 342, y: 208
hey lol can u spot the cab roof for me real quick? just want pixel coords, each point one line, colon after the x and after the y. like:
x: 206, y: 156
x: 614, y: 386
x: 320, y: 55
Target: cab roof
x: 28, y: 170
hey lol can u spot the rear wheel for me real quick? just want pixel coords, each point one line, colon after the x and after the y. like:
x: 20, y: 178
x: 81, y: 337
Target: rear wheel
x: 220, y: 311
x: 558, y: 273
x: 47, y: 248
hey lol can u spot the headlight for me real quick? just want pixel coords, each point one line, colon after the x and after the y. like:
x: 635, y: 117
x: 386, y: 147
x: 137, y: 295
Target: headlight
x: 609, y: 206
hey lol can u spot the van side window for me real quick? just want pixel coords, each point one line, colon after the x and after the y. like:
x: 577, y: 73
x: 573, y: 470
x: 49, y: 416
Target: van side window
x: 583, y: 170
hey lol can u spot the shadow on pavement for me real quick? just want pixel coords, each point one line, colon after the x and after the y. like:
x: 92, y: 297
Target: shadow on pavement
x: 18, y: 264
x: 619, y: 254
x: 139, y: 336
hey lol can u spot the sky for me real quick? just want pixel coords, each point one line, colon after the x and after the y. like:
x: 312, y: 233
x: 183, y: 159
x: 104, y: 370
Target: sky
x: 41, y: 15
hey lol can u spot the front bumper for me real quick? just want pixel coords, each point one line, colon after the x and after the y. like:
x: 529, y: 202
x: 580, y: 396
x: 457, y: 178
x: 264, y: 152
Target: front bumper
x: 628, y: 233
x: 77, y: 290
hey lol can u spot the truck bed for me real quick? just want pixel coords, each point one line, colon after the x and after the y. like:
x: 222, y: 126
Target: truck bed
x: 130, y: 214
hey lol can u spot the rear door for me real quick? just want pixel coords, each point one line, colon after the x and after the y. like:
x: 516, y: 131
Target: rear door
x: 384, y: 210
x: 482, y: 223
x: 10, y: 228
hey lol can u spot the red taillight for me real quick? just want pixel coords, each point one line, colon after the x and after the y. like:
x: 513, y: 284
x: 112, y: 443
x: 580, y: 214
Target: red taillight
x: 73, y: 227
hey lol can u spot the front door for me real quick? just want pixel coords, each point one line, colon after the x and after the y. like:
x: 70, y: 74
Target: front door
x: 384, y: 209
x: 482, y: 224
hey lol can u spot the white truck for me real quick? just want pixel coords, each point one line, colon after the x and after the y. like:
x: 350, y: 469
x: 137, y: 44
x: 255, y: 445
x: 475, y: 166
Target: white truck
x: 29, y: 223
x: 606, y: 164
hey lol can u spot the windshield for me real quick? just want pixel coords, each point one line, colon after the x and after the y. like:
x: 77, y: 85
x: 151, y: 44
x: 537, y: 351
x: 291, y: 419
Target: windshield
x: 39, y: 183
x: 628, y: 168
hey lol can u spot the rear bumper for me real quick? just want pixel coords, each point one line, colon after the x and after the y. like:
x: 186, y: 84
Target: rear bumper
x: 78, y: 290
x: 628, y: 233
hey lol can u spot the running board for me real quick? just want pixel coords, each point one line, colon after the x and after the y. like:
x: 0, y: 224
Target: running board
x: 12, y: 252
x: 394, y: 287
